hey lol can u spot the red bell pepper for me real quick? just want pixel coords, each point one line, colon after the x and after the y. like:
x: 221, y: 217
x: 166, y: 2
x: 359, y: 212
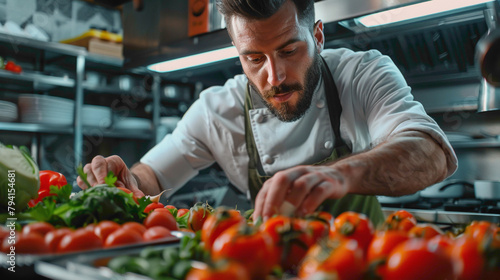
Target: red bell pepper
x: 48, y: 178
x: 152, y: 206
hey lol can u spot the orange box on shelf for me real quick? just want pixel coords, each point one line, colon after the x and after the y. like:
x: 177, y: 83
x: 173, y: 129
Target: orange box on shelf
x: 198, y: 18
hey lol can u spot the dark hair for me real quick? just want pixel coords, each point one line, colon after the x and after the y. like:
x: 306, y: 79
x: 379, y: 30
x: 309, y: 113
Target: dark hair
x: 262, y: 9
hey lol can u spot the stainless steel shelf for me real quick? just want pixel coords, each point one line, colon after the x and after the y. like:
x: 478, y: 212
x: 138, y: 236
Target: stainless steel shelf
x: 35, y: 128
x: 446, y: 217
x: 145, y: 134
x: 478, y: 143
x: 38, y: 80
x: 41, y: 45
x: 87, y: 131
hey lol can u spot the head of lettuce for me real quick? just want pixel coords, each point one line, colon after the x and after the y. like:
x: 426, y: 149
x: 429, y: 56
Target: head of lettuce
x: 19, y: 180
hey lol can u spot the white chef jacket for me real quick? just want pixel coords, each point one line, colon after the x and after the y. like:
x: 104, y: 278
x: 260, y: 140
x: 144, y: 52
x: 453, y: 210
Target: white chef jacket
x: 376, y: 103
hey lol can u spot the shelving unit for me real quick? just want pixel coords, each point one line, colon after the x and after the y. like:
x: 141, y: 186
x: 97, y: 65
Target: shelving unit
x: 73, y: 61
x: 477, y: 143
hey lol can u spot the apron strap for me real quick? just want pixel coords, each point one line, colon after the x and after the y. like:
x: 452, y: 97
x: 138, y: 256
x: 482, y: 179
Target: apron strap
x: 368, y: 205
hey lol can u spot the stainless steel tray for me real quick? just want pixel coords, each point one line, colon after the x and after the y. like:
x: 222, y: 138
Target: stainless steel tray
x: 92, y: 264
x: 28, y: 260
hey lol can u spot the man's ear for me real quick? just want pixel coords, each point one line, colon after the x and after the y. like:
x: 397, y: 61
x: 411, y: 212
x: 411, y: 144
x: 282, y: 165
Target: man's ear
x: 319, y: 36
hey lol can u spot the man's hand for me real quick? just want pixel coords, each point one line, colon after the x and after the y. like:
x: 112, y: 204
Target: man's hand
x: 99, y: 168
x: 301, y: 188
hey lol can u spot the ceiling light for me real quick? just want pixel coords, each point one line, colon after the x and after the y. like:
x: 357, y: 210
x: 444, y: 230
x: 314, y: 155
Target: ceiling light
x: 415, y: 11
x: 194, y: 60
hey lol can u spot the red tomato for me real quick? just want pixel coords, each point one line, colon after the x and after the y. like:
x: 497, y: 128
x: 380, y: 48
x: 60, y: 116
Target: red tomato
x: 316, y: 228
x: 161, y: 218
x: 249, y: 247
x: 90, y: 227
x: 26, y: 243
x: 291, y: 239
x: 53, y: 238
x: 156, y: 232
x: 181, y: 212
x: 425, y: 231
x: 9, y: 66
x: 400, y: 220
x: 343, y: 258
x: 445, y: 242
x: 355, y: 226
x: 323, y: 216
x: 3, y: 234
x: 122, y: 237
x: 383, y: 243
x: 41, y: 228
x: 79, y: 240
x: 479, y: 229
x: 495, y: 243
x: 468, y: 258
x: 170, y: 207
x: 275, y: 226
x: 218, y: 222
x: 224, y: 270
x: 17, y: 69
x: 105, y: 228
x: 129, y: 191
x: 198, y: 214
x: 152, y: 206
x: 415, y: 259
x: 140, y: 228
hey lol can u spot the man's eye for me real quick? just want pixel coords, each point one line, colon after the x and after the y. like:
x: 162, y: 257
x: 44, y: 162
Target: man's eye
x: 255, y: 59
x: 288, y: 52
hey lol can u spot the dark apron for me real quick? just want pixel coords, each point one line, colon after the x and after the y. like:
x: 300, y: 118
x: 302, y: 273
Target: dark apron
x: 366, y: 204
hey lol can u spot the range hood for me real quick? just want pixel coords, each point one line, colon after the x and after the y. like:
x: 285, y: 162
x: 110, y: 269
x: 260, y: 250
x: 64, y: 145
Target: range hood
x: 431, y: 49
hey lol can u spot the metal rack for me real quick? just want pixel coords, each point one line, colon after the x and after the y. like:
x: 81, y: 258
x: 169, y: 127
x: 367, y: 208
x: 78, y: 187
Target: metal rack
x: 76, y: 59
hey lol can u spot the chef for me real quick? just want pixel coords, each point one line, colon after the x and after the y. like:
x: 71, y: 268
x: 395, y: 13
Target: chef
x: 304, y: 128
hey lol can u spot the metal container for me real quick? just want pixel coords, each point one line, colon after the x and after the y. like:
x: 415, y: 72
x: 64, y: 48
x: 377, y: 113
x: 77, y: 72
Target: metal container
x: 446, y: 189
x: 487, y: 189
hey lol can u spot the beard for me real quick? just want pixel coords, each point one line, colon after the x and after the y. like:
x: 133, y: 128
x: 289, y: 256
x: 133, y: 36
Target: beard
x: 285, y: 111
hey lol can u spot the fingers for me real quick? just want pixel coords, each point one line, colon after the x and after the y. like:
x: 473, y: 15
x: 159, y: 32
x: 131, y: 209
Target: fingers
x: 273, y: 193
x: 99, y: 172
x: 314, y: 198
x: 99, y: 168
x: 302, y: 188
x: 331, y: 186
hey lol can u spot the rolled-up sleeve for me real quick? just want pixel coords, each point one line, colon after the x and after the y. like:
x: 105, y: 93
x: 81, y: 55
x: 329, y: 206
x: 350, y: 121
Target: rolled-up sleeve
x: 390, y: 107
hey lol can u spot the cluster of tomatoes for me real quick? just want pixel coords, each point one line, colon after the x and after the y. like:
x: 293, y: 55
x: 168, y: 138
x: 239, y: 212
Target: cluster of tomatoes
x: 44, y: 238
x: 10, y: 65
x: 346, y: 247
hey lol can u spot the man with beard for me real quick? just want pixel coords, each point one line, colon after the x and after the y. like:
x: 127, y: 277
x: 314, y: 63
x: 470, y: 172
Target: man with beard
x: 303, y: 129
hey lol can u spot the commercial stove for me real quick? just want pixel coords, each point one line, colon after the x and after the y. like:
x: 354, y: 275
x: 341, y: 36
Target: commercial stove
x: 449, y: 211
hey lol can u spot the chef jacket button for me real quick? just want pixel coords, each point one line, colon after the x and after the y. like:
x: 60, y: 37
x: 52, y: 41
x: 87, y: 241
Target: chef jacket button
x: 267, y: 159
x: 328, y: 144
x: 320, y: 104
x: 259, y: 118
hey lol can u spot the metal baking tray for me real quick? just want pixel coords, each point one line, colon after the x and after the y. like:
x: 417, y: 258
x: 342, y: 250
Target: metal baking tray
x: 92, y: 265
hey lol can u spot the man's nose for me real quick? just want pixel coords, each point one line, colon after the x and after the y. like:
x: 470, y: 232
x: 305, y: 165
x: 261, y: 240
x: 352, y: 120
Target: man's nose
x: 276, y: 72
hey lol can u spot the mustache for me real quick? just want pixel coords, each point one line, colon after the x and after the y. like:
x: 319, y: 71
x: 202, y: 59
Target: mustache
x: 275, y: 90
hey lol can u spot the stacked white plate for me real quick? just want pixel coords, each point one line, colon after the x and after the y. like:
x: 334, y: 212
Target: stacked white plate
x: 8, y: 111
x: 96, y: 116
x: 44, y: 109
x: 133, y: 123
